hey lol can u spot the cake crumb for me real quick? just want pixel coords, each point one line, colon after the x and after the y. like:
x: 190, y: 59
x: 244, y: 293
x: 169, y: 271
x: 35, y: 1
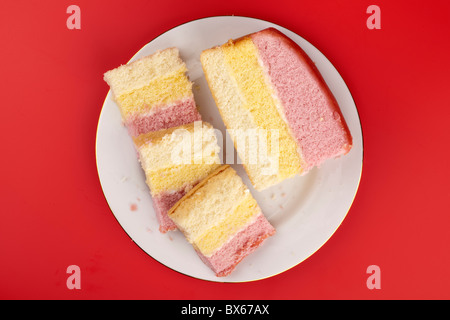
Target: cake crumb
x: 133, y: 207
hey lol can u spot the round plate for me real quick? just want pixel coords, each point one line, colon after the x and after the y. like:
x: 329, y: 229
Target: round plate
x: 305, y: 210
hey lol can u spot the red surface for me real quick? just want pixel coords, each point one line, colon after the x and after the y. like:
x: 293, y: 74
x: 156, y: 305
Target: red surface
x: 54, y: 213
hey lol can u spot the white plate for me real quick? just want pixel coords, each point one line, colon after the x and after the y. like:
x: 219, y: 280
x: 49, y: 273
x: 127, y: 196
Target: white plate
x: 305, y: 210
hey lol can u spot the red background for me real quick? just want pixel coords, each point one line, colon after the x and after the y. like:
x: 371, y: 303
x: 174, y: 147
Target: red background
x: 53, y: 211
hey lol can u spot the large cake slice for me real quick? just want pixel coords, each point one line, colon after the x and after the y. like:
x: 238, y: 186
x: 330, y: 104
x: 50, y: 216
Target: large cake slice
x: 153, y: 93
x: 222, y: 220
x: 174, y: 160
x: 266, y: 86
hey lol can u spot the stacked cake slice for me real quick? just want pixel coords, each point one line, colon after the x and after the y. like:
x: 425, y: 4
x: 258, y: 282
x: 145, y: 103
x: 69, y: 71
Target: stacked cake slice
x: 174, y: 160
x: 153, y: 93
x: 266, y: 83
x: 222, y: 220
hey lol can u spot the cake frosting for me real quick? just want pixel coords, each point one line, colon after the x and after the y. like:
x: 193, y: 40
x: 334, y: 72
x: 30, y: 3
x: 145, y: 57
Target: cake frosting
x: 266, y: 83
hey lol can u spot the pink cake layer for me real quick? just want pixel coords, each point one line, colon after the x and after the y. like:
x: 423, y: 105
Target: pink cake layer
x: 310, y: 108
x: 224, y: 260
x: 164, y: 117
x: 163, y: 203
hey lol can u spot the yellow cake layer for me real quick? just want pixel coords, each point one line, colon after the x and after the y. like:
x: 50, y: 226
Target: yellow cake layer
x: 242, y: 59
x: 247, y: 104
x: 237, y: 119
x: 178, y: 156
x: 176, y: 177
x: 159, y: 91
x: 156, y: 79
x: 216, y: 236
x: 211, y: 202
x: 215, y: 210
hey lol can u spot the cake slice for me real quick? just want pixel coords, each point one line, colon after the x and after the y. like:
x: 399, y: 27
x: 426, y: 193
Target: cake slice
x: 265, y: 86
x: 174, y: 160
x: 222, y: 220
x: 153, y: 93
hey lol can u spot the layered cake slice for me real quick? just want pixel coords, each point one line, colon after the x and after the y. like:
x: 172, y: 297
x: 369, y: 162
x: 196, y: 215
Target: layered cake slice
x: 153, y: 93
x: 222, y: 220
x: 174, y: 160
x: 265, y: 85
